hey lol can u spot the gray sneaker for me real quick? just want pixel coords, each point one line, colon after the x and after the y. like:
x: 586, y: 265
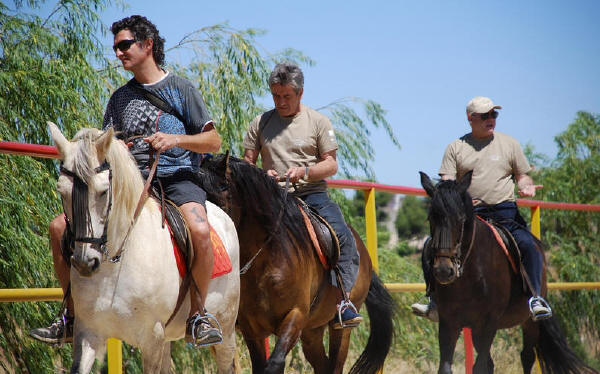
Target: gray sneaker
x: 200, y: 332
x: 428, y: 311
x: 59, y: 332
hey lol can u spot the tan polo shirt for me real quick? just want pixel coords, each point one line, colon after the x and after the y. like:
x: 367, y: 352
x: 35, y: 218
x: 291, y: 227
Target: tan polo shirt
x: 494, y: 161
x: 285, y: 142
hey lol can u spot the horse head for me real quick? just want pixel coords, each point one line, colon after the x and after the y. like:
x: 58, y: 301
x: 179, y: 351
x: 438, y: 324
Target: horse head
x: 450, y: 218
x: 85, y: 188
x: 216, y: 180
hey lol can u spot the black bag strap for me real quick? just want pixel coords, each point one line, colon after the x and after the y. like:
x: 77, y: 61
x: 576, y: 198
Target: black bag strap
x: 158, y: 102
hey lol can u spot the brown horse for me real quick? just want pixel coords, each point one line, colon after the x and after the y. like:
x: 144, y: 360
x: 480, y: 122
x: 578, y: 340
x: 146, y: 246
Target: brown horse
x: 475, y: 287
x: 285, y: 290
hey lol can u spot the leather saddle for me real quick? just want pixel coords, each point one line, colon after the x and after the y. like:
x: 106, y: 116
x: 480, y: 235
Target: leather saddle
x: 323, y: 236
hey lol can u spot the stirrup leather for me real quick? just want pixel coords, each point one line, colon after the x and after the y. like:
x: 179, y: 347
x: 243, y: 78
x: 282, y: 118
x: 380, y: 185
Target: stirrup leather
x: 544, y: 303
x: 210, y: 320
x: 345, y: 304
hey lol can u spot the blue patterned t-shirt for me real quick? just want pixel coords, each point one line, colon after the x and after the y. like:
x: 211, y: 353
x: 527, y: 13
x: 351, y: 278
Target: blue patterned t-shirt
x: 130, y: 113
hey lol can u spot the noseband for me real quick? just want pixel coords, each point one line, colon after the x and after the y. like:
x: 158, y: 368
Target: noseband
x: 81, y: 213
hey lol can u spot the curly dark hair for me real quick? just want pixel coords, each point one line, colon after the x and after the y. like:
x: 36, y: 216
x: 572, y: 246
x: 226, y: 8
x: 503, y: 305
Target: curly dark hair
x: 142, y: 29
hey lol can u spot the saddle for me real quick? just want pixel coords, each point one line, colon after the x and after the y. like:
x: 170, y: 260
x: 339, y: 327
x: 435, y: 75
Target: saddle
x: 322, y: 235
x: 510, y: 248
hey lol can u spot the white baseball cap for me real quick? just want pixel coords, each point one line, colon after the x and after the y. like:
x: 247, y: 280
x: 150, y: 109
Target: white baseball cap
x: 480, y: 104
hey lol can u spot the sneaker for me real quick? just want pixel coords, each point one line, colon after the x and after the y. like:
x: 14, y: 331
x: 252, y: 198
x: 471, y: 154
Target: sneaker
x: 428, y: 311
x: 349, y: 318
x: 200, y: 332
x: 539, y: 308
x: 59, y: 332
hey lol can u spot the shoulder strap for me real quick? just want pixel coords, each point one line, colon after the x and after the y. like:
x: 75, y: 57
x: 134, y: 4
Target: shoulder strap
x: 158, y: 102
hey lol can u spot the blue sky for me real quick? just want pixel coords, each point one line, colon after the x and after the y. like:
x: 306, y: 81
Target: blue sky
x: 423, y: 61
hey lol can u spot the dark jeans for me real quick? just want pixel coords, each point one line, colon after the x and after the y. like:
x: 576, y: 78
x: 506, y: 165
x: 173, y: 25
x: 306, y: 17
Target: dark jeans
x: 507, y: 214
x: 349, y: 257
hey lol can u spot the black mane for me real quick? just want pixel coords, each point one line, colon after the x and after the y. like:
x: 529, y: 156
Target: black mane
x: 257, y: 195
x: 449, y: 204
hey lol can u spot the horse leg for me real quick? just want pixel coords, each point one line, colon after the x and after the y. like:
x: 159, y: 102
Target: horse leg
x: 447, y: 337
x: 225, y: 353
x: 288, y: 332
x: 531, y: 334
x: 482, y: 341
x: 165, y: 366
x: 314, y: 351
x: 86, y: 347
x: 339, y: 341
x: 258, y: 353
x: 153, y: 348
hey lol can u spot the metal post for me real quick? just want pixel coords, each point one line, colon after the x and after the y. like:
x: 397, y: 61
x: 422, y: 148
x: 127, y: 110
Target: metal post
x: 115, y: 356
x: 371, y: 226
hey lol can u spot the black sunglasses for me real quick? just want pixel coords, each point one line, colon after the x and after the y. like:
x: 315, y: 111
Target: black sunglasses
x: 493, y: 114
x: 124, y: 45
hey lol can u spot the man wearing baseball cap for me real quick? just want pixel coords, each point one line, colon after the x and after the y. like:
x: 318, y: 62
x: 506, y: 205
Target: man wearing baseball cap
x: 498, y: 162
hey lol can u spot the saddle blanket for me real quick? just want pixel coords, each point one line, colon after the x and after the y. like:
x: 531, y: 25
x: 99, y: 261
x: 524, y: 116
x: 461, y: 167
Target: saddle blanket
x: 222, y: 264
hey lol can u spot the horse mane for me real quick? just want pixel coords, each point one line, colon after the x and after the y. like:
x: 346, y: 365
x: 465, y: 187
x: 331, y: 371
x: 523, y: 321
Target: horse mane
x: 449, y: 205
x: 127, y: 181
x: 260, y: 196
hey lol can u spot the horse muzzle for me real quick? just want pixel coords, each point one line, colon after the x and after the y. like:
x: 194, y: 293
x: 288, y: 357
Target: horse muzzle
x: 87, y: 266
x: 445, y: 271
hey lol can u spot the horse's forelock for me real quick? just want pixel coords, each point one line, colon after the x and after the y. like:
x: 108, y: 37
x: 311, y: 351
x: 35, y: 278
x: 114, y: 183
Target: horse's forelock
x: 82, y: 161
x: 447, y: 203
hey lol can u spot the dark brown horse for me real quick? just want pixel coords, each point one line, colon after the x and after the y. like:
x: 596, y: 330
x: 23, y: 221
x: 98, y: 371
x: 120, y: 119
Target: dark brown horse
x: 475, y: 287
x: 285, y: 290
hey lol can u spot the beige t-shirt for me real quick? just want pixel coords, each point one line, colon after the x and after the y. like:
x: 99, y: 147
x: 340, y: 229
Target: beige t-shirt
x: 285, y: 142
x: 495, y: 162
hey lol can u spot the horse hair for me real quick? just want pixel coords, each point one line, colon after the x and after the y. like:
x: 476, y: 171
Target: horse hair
x: 260, y: 195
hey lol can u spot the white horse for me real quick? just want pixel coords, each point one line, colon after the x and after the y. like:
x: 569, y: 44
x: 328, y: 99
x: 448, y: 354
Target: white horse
x: 131, y: 299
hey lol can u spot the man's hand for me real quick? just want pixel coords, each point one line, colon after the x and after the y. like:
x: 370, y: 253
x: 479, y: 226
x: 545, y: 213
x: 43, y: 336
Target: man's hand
x: 272, y: 173
x: 295, y: 173
x: 529, y: 190
x: 161, y: 141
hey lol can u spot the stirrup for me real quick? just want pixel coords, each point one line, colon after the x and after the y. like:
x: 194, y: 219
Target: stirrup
x: 542, y: 302
x: 210, y: 320
x: 345, y: 304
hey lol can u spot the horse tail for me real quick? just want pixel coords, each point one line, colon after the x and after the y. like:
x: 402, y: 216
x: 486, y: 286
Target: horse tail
x: 381, y: 308
x: 554, y: 354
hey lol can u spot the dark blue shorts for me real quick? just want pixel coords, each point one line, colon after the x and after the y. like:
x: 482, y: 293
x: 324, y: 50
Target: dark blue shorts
x: 182, y: 188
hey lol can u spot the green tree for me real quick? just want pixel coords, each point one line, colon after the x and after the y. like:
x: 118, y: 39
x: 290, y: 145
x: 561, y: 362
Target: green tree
x: 572, y: 236
x: 411, y: 220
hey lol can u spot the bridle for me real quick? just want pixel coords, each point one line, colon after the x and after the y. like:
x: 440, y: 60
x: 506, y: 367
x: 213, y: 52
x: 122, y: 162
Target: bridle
x: 442, y: 248
x: 81, y: 214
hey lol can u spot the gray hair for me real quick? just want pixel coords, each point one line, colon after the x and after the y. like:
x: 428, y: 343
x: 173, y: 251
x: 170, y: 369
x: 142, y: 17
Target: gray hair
x: 287, y: 73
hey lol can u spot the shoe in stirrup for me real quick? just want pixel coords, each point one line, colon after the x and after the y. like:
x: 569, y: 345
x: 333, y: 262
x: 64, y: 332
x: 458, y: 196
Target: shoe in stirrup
x: 539, y: 308
x: 203, y: 330
x: 59, y: 332
x: 346, y: 316
x: 428, y: 311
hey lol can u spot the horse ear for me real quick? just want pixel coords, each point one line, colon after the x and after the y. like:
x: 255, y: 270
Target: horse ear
x: 464, y: 182
x: 103, y: 142
x: 59, y: 139
x: 223, y: 167
x: 427, y: 184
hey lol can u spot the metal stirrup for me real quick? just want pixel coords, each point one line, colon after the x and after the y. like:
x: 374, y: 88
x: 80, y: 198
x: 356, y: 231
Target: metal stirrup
x: 345, y: 304
x: 205, y: 318
x: 544, y: 303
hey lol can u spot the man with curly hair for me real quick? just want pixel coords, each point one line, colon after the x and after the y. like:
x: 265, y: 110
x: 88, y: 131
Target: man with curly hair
x: 182, y: 137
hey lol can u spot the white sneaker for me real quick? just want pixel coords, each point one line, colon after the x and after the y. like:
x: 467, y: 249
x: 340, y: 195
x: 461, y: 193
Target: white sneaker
x: 428, y: 311
x: 539, y: 309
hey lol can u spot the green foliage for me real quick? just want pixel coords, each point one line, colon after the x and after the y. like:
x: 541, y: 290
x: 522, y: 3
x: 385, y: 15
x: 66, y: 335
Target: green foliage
x: 411, y: 220
x: 572, y: 236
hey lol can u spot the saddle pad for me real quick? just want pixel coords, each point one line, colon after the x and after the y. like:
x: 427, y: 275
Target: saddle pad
x: 313, y: 238
x: 222, y: 263
x: 501, y: 242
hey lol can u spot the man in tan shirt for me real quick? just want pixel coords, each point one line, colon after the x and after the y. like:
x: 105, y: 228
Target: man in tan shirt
x: 297, y: 142
x: 497, y: 162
